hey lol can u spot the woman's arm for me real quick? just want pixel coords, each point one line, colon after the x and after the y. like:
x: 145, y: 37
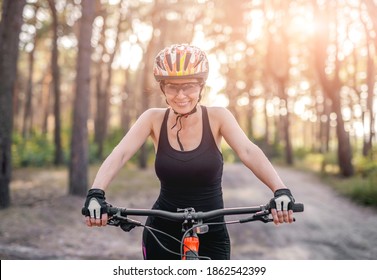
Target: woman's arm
x: 126, y: 148
x: 254, y: 158
x: 249, y: 153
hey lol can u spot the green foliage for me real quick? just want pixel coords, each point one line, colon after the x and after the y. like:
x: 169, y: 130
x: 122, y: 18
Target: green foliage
x: 365, y: 166
x: 361, y: 188
x: 38, y: 150
x: 93, y: 152
x: 35, y: 151
x: 312, y: 161
x: 330, y: 163
x: 365, y: 188
x: 323, y: 163
x: 301, y: 153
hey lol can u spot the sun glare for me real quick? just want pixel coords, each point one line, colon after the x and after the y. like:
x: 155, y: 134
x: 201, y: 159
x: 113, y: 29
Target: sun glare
x: 216, y: 83
x: 130, y: 56
x: 255, y: 29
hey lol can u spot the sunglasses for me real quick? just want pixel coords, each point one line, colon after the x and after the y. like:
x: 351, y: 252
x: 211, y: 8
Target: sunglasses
x: 186, y: 88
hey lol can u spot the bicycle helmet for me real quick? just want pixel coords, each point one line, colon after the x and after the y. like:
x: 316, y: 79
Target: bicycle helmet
x: 181, y: 61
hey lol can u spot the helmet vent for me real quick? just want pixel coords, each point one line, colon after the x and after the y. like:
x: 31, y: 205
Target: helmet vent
x: 180, y: 61
x: 170, y: 64
x: 187, y: 60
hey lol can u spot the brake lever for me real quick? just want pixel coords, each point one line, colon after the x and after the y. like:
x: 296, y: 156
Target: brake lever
x: 125, y: 223
x: 262, y: 216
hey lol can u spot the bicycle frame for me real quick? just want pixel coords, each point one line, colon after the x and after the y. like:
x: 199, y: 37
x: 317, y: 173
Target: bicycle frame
x: 192, y: 222
x: 191, y: 248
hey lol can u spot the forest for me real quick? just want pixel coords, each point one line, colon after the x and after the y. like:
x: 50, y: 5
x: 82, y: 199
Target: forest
x: 300, y: 77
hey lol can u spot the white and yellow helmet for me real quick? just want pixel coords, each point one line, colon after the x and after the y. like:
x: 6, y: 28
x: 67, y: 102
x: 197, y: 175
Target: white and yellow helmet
x: 181, y: 61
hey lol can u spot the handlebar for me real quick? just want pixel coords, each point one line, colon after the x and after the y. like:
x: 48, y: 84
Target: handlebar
x: 189, y: 213
x: 192, y: 222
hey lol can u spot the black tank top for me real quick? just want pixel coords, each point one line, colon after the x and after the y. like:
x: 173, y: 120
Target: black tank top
x: 189, y: 178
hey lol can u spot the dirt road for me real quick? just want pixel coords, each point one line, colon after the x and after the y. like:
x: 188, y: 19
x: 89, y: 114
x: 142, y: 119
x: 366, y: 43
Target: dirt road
x: 46, y: 224
x: 331, y: 227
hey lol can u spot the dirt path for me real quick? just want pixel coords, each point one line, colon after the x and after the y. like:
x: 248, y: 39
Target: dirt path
x: 46, y: 224
x: 331, y: 227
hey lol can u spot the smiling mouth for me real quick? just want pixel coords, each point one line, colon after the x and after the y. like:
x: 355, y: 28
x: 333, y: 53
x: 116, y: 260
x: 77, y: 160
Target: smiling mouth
x: 182, y: 104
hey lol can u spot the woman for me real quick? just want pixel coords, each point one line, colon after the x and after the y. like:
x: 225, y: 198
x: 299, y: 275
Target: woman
x: 189, y: 163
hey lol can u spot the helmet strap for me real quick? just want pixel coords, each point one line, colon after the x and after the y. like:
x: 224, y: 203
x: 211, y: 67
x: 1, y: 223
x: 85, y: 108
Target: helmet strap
x: 179, y: 117
x: 179, y: 120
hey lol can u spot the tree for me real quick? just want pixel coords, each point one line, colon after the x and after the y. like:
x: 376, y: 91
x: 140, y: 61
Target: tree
x: 78, y: 166
x: 104, y: 78
x: 28, y: 111
x: 278, y: 68
x: 58, y: 157
x: 10, y: 26
x: 371, y: 8
x: 332, y: 85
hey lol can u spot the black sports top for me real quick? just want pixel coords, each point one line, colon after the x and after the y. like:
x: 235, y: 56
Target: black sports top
x: 189, y: 178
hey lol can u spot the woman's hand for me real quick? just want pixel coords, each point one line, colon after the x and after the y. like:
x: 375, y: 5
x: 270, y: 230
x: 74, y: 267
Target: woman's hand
x: 281, y: 206
x: 95, y: 208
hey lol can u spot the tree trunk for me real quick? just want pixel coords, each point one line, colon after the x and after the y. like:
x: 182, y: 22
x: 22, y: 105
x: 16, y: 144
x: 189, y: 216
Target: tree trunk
x: 344, y: 145
x: 45, y: 103
x: 58, y: 156
x: 145, y: 82
x: 102, y: 111
x: 145, y: 92
x: 284, y: 119
x: 103, y: 88
x: 325, y: 128
x: 28, y: 109
x: 10, y: 26
x: 278, y: 66
x: 368, y: 140
x: 279, y: 69
x: 331, y: 87
x: 371, y: 8
x: 102, y: 100
x: 78, y: 167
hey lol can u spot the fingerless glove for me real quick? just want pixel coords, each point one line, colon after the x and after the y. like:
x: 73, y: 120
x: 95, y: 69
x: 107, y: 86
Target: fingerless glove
x: 283, y: 200
x: 95, y: 204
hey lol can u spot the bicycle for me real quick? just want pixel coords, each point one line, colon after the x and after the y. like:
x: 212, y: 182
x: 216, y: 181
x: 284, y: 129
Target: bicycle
x: 193, y: 223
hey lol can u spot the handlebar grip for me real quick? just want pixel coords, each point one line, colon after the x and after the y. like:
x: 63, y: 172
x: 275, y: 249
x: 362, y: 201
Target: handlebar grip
x: 111, y: 211
x: 298, y: 207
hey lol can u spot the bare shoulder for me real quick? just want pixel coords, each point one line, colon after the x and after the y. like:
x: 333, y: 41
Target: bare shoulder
x: 218, y: 118
x: 217, y: 110
x: 153, y: 114
x: 153, y: 119
x: 218, y: 113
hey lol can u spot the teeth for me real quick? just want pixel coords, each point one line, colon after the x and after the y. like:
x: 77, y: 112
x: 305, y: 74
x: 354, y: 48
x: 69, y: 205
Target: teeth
x: 182, y: 103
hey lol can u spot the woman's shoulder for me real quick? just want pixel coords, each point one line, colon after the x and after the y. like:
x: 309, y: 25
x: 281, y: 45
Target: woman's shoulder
x: 218, y: 116
x: 217, y: 112
x: 155, y: 111
x: 153, y: 114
